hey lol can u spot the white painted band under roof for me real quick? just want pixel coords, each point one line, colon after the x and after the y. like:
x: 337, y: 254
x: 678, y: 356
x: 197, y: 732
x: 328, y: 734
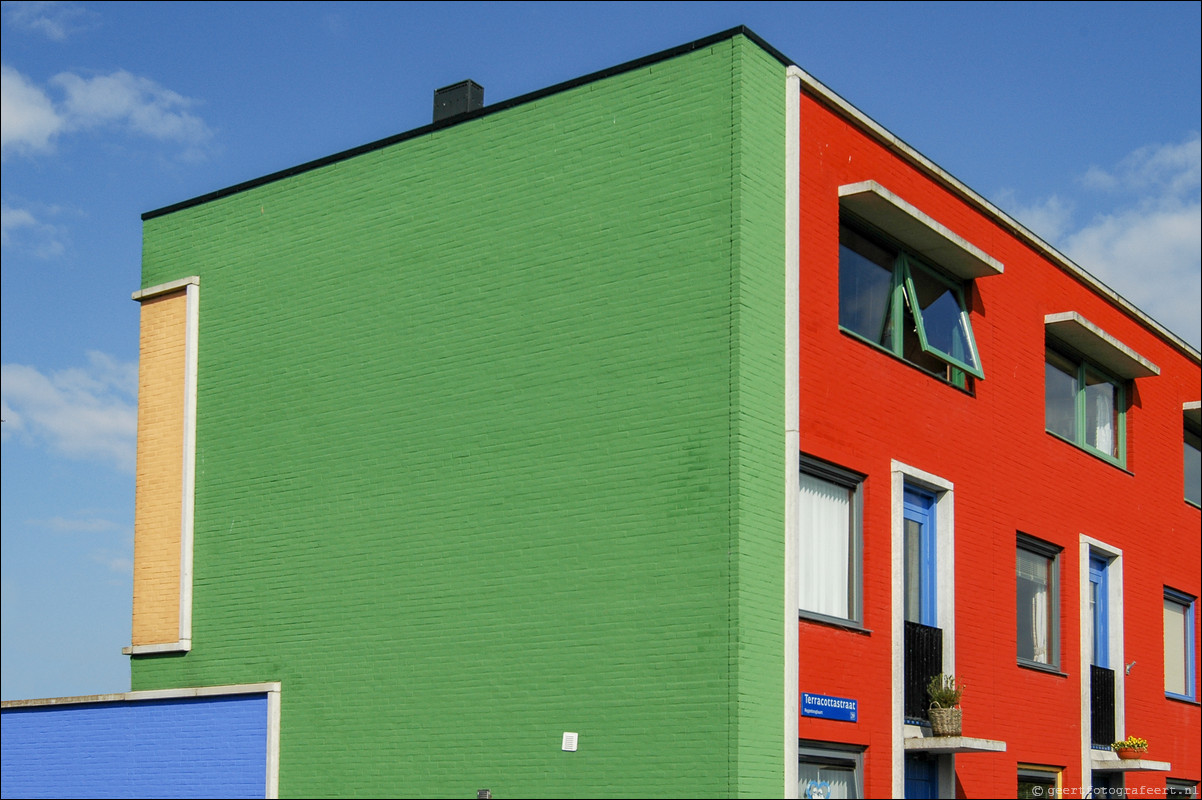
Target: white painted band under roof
x: 1098, y: 345
x: 876, y: 130
x: 917, y: 230
x: 165, y: 288
x: 148, y: 694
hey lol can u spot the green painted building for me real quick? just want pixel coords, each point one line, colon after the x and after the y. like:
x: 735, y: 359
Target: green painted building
x: 484, y: 442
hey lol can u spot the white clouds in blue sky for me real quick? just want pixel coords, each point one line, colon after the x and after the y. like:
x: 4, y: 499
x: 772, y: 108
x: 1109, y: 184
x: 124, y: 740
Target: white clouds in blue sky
x: 34, y: 116
x: 1140, y: 232
x: 111, y: 109
x: 55, y: 21
x: 85, y: 413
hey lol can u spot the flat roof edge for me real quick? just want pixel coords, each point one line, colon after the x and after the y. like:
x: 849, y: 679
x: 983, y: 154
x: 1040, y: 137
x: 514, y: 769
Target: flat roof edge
x: 538, y: 94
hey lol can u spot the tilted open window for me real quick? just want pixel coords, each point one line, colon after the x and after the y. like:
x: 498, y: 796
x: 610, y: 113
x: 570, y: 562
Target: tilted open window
x: 902, y: 281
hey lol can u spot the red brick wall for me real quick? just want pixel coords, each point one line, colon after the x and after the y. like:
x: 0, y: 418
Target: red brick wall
x: 860, y: 408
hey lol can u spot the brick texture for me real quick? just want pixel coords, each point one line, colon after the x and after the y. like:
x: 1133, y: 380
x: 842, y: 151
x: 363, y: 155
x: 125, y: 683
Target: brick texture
x: 488, y: 446
x: 208, y: 747
x: 861, y: 408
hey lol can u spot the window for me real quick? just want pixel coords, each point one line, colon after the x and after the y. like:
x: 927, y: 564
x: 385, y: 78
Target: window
x: 1175, y: 787
x: 894, y: 300
x: 828, y: 770
x: 1193, y: 464
x: 918, y: 554
x: 1037, y: 781
x: 829, y: 552
x: 1178, y: 644
x: 1085, y: 406
x: 1038, y: 602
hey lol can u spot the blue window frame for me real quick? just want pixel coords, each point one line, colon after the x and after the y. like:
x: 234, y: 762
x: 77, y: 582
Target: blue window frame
x: 1099, y: 611
x: 921, y: 592
x: 1179, y: 677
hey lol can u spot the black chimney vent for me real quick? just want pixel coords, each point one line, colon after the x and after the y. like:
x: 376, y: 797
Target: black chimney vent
x: 458, y: 98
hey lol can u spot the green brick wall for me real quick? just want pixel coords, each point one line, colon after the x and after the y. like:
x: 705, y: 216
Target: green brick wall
x: 490, y: 444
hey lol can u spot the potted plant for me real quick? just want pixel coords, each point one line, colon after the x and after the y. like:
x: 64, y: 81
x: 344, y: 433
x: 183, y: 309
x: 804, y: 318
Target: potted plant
x: 1131, y: 747
x: 945, y: 713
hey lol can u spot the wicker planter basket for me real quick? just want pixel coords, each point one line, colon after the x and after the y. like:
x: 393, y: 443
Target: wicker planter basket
x: 945, y: 721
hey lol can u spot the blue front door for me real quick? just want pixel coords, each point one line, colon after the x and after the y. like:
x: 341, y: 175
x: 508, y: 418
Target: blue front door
x: 922, y: 779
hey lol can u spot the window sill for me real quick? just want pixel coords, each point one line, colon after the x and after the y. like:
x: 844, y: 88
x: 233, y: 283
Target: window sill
x: 182, y: 646
x: 1099, y: 455
x: 1189, y: 502
x: 885, y: 351
x: 834, y: 622
x: 1178, y: 698
x: 1047, y: 669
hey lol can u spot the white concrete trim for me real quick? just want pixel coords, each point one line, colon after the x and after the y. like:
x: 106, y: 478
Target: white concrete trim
x: 918, y: 230
x: 165, y: 288
x: 188, y: 473
x: 1108, y: 761
x: 792, y: 333
x: 946, y: 745
x: 182, y: 646
x: 1192, y: 412
x: 825, y: 95
x: 1114, y: 596
x: 945, y: 565
x: 148, y: 694
x: 1098, y: 345
x: 274, y: 705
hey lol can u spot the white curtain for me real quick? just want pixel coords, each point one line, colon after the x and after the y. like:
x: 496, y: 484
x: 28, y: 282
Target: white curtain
x: 824, y: 552
x: 1039, y: 624
x: 1176, y: 634
x: 1033, y: 585
x: 825, y: 780
x: 1099, y: 398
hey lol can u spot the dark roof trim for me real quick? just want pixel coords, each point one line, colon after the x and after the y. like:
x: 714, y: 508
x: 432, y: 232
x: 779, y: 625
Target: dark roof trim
x: 639, y: 63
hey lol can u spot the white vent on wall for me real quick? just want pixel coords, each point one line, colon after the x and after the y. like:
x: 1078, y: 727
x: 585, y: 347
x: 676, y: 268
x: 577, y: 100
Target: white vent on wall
x: 569, y: 741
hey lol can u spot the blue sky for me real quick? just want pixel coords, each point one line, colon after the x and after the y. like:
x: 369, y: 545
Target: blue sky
x: 1079, y: 119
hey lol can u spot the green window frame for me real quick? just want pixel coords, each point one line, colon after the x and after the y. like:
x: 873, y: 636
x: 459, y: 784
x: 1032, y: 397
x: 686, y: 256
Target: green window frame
x: 1086, y: 406
x: 894, y: 300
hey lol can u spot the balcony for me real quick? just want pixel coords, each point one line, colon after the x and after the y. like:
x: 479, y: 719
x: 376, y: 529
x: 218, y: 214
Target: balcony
x: 1101, y: 706
x: 923, y: 646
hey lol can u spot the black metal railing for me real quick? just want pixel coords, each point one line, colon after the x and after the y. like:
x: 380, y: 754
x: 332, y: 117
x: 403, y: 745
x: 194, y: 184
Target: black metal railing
x: 1101, y: 705
x: 924, y: 659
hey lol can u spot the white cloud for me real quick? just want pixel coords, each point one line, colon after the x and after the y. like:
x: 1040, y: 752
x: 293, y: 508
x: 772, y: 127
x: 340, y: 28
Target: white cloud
x: 32, y: 119
x: 1048, y: 218
x: 55, y: 21
x: 20, y: 228
x: 137, y: 103
x: 1170, y: 170
x: 1151, y: 257
x: 12, y: 219
x: 1146, y: 243
x: 28, y: 119
x: 87, y: 413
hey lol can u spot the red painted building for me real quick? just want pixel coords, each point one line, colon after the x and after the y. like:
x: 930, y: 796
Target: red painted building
x: 992, y: 487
